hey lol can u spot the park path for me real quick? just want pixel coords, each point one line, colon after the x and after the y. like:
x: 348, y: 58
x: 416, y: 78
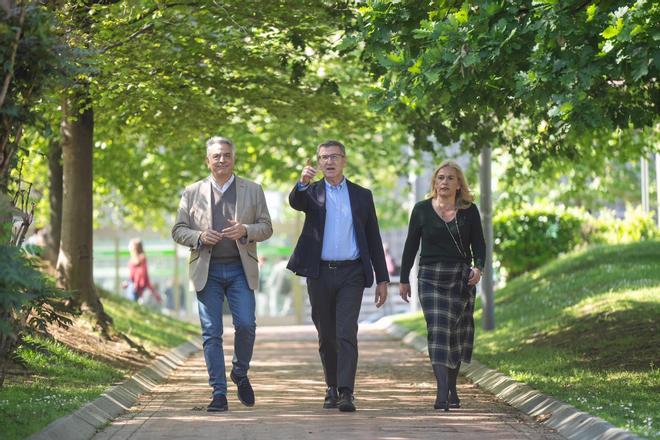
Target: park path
x: 394, y: 396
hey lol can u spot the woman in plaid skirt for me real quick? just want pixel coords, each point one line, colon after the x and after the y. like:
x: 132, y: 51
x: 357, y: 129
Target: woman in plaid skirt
x: 453, y: 252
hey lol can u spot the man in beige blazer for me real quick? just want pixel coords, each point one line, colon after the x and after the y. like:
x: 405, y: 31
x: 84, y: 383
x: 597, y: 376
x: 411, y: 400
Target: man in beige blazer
x: 221, y: 218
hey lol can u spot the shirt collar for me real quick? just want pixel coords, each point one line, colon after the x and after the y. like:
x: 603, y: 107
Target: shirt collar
x: 224, y: 187
x: 340, y: 185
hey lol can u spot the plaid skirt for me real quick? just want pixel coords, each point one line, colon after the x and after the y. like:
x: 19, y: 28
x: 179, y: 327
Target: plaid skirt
x: 448, y: 305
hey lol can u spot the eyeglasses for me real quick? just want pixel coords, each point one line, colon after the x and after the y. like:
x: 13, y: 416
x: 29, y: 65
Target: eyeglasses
x: 330, y: 157
x: 216, y: 157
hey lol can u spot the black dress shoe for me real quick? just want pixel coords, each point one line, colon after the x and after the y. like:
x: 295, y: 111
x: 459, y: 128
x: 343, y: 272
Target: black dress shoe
x: 441, y: 405
x: 346, y: 401
x: 218, y: 404
x: 245, y: 391
x: 454, y: 401
x: 331, y: 398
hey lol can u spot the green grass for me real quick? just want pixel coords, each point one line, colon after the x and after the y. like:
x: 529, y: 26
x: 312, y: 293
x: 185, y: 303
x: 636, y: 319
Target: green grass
x: 585, y: 330
x: 61, y: 379
x: 151, y: 328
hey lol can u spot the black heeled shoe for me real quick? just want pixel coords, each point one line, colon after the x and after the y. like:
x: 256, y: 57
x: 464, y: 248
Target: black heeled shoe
x: 441, y: 376
x: 441, y: 405
x: 454, y: 401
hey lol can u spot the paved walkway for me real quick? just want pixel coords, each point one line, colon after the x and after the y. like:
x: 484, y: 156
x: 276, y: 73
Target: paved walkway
x: 395, y: 391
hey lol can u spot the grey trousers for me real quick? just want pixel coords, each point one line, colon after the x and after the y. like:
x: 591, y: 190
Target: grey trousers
x: 336, y: 297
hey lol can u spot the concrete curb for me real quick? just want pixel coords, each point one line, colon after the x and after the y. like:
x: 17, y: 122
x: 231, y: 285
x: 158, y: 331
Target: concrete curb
x: 569, y: 421
x: 84, y: 423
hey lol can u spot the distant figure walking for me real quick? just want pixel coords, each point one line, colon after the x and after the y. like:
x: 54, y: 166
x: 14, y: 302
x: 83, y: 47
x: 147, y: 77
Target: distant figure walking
x: 392, y: 268
x: 449, y: 227
x: 138, y: 273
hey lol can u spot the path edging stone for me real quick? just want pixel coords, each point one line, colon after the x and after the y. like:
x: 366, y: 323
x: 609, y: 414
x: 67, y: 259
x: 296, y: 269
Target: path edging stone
x: 84, y: 423
x: 569, y: 421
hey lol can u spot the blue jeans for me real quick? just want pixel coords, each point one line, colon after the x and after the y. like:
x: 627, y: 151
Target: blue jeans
x: 226, y: 279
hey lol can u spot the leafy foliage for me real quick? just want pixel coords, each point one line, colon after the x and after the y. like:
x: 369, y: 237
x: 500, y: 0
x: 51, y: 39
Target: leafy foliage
x: 29, y: 301
x: 563, y: 72
x: 164, y: 77
x: 31, y: 58
x: 529, y: 237
x: 636, y: 226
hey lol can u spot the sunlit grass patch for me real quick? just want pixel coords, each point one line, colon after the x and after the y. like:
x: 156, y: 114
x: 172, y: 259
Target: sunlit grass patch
x: 55, y: 379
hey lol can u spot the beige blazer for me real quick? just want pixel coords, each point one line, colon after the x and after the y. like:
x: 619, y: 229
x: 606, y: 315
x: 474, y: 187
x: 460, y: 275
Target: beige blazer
x: 195, y: 215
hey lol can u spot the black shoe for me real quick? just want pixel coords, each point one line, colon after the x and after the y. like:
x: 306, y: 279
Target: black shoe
x: 346, y: 401
x: 454, y: 401
x: 218, y: 404
x: 442, y: 396
x: 441, y: 405
x: 245, y: 391
x: 331, y: 398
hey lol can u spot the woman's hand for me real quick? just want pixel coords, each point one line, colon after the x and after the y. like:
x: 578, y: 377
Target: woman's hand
x: 404, y: 291
x: 475, y: 276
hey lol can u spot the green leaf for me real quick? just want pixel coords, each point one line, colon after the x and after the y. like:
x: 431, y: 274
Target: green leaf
x: 641, y: 70
x: 416, y: 68
x: 591, y: 12
x: 613, y: 30
x: 462, y: 15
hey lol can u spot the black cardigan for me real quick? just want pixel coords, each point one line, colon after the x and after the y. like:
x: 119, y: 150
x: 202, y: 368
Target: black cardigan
x: 437, y: 243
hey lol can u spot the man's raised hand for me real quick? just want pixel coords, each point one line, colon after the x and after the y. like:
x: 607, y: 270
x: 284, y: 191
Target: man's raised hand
x: 308, y: 173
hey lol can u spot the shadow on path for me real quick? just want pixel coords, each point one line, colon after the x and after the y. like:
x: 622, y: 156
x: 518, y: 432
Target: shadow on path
x: 395, y: 390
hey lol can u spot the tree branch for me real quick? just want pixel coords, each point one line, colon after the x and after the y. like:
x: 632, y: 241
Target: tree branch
x: 12, y: 59
x: 144, y: 29
x: 156, y: 8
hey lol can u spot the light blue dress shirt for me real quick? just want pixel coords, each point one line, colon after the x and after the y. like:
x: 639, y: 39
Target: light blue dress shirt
x: 339, y: 235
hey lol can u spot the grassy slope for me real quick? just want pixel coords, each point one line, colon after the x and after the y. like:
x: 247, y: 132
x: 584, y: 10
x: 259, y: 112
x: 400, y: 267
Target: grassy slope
x: 60, y: 378
x: 584, y: 329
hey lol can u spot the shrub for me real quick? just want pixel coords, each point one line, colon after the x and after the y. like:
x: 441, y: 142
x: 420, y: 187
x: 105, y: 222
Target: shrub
x: 637, y: 225
x: 29, y: 300
x: 529, y: 237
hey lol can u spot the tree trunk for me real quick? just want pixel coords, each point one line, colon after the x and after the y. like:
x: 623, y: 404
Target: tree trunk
x: 55, y: 200
x: 487, y: 285
x: 74, y: 262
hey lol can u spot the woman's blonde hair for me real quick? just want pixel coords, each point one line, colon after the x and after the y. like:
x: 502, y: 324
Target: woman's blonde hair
x: 135, y: 247
x: 464, y: 196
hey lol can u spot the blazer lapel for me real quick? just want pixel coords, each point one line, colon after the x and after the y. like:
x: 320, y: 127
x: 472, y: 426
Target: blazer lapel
x: 208, y: 207
x: 320, y: 197
x: 352, y: 197
x: 240, y: 197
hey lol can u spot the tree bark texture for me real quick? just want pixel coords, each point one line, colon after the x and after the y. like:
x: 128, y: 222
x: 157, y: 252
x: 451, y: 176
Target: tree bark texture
x: 74, y: 262
x: 55, y: 199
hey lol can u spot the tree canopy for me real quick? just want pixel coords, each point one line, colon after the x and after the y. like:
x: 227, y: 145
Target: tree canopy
x: 568, y: 72
x: 164, y: 76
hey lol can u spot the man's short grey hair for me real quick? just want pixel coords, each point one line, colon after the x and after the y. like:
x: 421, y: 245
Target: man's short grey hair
x: 331, y: 143
x: 220, y: 140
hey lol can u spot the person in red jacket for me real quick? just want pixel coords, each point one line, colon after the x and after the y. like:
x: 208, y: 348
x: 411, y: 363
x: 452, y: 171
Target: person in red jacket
x: 138, y: 273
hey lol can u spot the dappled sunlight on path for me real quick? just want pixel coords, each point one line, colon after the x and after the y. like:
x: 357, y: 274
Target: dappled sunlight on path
x: 394, y: 395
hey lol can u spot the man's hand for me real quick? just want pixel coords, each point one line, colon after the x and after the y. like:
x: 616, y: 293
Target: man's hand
x: 210, y: 237
x: 234, y: 231
x: 308, y: 173
x: 381, y: 294
x: 404, y: 291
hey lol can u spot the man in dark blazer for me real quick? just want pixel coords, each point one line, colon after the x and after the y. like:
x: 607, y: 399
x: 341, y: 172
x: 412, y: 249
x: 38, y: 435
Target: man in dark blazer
x: 338, y: 251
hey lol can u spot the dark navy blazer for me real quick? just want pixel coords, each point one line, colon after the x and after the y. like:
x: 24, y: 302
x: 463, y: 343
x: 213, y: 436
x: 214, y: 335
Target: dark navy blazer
x: 306, y: 256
